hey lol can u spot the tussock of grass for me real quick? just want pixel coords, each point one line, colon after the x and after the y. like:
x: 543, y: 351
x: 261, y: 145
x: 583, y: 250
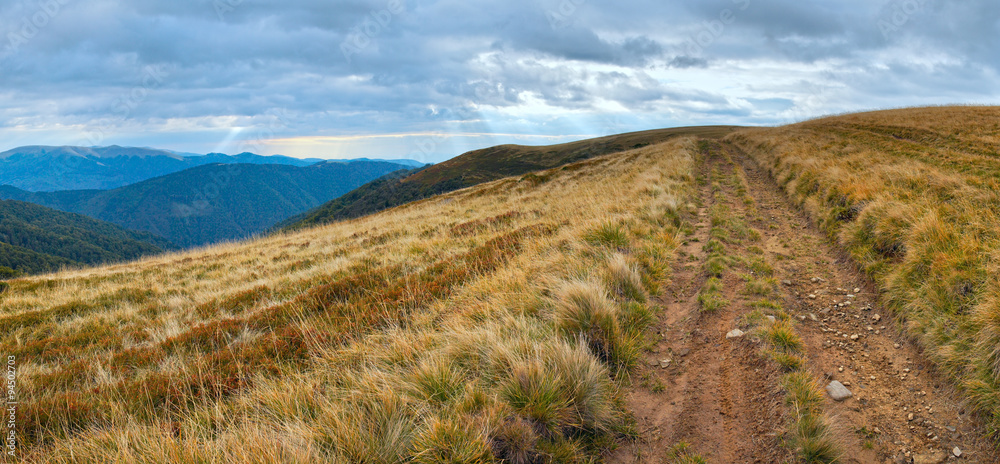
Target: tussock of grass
x: 782, y: 336
x: 710, y: 297
x: 760, y: 286
x: 789, y: 362
x: 811, y: 434
x: 715, y: 266
x: 624, y: 280
x: 681, y: 454
x: 609, y: 234
x: 436, y: 381
x: 450, y: 442
x: 584, y: 311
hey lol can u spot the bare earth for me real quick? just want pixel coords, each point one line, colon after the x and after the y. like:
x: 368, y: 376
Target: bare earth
x: 724, y: 399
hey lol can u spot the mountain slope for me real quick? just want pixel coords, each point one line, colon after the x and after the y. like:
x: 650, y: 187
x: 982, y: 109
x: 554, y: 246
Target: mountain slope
x: 45, y: 169
x: 583, y: 314
x: 370, y: 338
x: 480, y: 166
x: 212, y: 203
x: 36, y: 239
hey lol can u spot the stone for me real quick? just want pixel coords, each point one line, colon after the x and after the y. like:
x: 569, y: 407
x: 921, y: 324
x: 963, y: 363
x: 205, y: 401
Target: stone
x: 838, y: 391
x: 857, y: 290
x: 933, y: 457
x: 735, y: 333
x: 812, y: 296
x: 877, y: 318
x: 771, y: 319
x: 854, y: 337
x: 957, y: 452
x: 787, y: 282
x: 664, y: 363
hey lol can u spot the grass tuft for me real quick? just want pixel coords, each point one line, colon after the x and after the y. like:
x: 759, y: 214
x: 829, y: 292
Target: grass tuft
x: 609, y: 234
x: 710, y: 297
x: 783, y: 337
x: 451, y: 442
x: 624, y: 280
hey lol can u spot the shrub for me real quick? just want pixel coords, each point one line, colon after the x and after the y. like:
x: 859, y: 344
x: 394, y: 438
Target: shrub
x: 8, y: 273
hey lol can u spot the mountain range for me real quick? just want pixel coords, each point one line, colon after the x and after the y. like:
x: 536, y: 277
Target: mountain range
x: 215, y: 202
x: 49, y: 169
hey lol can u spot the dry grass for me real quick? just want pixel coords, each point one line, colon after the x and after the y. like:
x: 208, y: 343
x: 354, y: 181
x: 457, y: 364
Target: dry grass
x: 447, y: 330
x: 914, y: 196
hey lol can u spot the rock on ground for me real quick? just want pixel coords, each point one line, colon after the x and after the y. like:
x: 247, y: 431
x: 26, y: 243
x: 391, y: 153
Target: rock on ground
x: 838, y: 391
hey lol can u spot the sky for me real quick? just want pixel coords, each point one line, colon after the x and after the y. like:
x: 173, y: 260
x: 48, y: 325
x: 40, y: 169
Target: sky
x: 431, y: 79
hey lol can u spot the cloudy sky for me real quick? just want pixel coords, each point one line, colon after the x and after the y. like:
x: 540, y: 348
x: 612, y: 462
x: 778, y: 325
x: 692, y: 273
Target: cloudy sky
x: 430, y: 79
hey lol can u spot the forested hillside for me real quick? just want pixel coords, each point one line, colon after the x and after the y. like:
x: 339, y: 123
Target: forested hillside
x: 36, y: 239
x: 214, y: 203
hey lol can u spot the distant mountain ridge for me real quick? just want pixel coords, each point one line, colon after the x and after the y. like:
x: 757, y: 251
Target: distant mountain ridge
x: 216, y: 202
x: 41, y: 168
x: 36, y: 239
x: 476, y: 167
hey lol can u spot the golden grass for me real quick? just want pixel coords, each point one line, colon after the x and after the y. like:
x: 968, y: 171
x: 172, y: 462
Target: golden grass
x: 914, y: 196
x: 432, y: 332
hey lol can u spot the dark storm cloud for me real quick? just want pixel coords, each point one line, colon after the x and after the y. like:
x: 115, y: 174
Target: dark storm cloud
x: 387, y: 66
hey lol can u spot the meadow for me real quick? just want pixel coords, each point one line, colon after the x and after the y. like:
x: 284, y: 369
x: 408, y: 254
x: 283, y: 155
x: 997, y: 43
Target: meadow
x: 498, y: 322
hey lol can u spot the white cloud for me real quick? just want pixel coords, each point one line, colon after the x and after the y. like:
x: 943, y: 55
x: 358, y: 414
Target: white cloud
x: 471, y: 67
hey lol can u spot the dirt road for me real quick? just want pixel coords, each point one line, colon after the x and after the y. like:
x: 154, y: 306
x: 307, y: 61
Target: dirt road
x: 724, y: 398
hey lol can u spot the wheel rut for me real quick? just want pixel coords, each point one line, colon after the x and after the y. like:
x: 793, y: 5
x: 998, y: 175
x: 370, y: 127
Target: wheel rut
x: 724, y: 399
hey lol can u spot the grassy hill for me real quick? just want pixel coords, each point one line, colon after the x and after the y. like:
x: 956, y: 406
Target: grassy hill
x: 214, y: 203
x: 480, y: 166
x: 552, y: 316
x: 36, y: 239
x: 428, y: 330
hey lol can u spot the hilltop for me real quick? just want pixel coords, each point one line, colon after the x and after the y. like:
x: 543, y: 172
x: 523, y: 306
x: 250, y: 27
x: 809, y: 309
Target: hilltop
x: 481, y: 166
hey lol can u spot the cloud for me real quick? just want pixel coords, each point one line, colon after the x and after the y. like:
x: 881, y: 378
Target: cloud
x: 344, y: 74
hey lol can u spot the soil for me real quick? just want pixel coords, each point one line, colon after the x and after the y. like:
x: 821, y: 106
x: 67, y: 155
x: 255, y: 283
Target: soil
x: 724, y: 398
